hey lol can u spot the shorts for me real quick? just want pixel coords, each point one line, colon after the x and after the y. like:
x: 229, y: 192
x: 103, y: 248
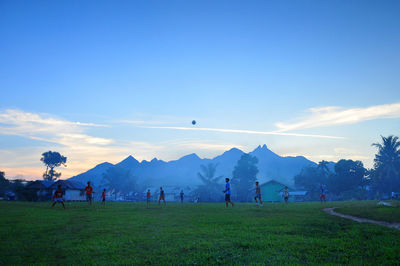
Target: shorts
x: 103, y: 200
x: 286, y: 198
x: 322, y: 196
x: 88, y: 197
x: 258, y: 196
x: 58, y: 200
x: 161, y: 198
x: 148, y: 199
x: 227, y: 197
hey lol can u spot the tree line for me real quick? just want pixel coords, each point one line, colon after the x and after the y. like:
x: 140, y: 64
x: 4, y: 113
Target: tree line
x: 347, y: 180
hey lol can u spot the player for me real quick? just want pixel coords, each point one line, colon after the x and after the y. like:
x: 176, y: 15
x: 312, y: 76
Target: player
x: 162, y: 196
x: 181, y: 195
x: 103, y: 197
x: 286, y: 194
x: 227, y: 192
x: 258, y: 195
x: 148, y: 197
x: 58, y: 197
x: 322, y: 197
x: 89, y: 191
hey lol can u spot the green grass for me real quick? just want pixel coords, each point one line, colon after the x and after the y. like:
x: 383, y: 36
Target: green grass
x: 371, y: 210
x: 128, y: 233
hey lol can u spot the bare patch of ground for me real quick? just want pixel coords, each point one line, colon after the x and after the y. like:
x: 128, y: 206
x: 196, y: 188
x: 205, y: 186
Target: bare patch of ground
x: 361, y: 220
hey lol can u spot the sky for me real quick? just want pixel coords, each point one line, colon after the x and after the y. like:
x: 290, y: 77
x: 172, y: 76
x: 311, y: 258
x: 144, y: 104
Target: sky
x: 100, y: 80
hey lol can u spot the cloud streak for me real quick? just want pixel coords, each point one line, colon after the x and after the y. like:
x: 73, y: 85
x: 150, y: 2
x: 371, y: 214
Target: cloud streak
x: 242, y: 131
x: 49, y: 129
x: 334, y: 115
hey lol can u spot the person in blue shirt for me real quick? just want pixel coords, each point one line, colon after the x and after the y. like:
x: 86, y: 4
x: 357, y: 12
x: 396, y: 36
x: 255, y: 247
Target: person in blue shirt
x: 322, y: 197
x: 227, y: 192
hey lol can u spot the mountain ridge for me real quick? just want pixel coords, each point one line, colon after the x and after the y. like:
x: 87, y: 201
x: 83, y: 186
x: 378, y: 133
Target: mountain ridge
x: 183, y: 171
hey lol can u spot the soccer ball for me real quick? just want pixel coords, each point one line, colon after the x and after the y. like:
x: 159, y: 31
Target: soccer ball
x: 194, y: 122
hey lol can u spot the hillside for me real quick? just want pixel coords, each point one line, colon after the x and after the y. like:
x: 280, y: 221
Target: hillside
x: 184, y: 170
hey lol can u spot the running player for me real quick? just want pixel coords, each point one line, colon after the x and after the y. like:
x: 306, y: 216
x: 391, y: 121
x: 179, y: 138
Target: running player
x: 58, y: 197
x: 162, y: 196
x: 89, y: 191
x: 181, y: 195
x: 322, y: 197
x: 286, y: 194
x: 258, y: 195
x: 103, y: 197
x: 148, y: 197
x: 227, y: 192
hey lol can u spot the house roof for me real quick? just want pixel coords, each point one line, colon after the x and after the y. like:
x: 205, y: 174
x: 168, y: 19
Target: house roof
x: 276, y: 182
x: 68, y: 184
x: 40, y: 184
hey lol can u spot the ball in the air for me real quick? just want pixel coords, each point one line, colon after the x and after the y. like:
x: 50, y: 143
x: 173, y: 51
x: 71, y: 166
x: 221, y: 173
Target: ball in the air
x: 194, y: 122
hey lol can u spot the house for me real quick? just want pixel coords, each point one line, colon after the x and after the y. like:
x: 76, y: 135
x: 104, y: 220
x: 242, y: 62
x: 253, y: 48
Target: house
x: 273, y: 191
x: 73, y: 190
x: 42, y: 188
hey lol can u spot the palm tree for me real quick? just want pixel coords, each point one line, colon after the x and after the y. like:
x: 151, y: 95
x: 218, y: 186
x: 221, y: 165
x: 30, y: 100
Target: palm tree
x: 323, y: 166
x: 209, y: 190
x: 387, y: 164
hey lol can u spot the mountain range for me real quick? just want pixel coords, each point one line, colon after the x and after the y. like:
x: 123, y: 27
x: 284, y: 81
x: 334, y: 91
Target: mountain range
x: 183, y: 172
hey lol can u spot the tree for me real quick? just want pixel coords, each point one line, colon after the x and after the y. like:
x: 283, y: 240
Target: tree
x: 311, y: 178
x: 4, y: 183
x: 120, y: 180
x: 386, y: 173
x: 244, y: 176
x: 323, y: 167
x: 210, y: 190
x: 348, y: 179
x: 52, y: 160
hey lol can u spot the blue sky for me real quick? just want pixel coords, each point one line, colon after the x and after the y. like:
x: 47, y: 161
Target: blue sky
x: 99, y: 80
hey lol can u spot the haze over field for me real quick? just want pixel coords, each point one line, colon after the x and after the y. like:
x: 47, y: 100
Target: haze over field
x: 99, y: 80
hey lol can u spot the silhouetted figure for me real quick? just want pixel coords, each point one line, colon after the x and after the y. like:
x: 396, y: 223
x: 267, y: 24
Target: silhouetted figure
x: 103, y: 197
x: 89, y: 191
x: 227, y: 192
x: 286, y: 194
x: 181, y: 195
x: 58, y: 197
x: 162, y: 196
x: 148, y: 197
x: 258, y: 195
x: 322, y: 197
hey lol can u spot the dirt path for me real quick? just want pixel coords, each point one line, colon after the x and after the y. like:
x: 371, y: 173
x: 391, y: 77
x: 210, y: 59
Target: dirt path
x: 361, y: 220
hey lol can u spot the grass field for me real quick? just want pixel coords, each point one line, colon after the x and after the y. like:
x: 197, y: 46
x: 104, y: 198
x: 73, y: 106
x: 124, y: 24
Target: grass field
x: 128, y: 233
x: 370, y: 210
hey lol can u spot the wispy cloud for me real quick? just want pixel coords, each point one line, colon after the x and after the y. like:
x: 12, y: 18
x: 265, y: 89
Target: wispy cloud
x: 69, y: 138
x: 83, y: 150
x: 243, y: 131
x: 47, y: 128
x: 142, y: 122
x: 334, y: 115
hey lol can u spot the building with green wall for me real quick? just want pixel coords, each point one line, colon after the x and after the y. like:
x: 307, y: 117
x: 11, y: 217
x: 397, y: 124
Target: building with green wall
x: 272, y: 191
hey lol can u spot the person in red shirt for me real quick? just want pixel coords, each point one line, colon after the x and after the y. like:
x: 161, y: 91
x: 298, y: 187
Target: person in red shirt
x: 148, y: 197
x: 103, y: 197
x: 89, y: 191
x: 58, y: 197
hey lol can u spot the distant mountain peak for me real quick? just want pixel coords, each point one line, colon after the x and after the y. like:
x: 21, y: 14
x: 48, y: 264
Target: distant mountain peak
x: 263, y: 147
x: 191, y: 156
x: 184, y: 170
x: 234, y: 149
x: 129, y: 160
